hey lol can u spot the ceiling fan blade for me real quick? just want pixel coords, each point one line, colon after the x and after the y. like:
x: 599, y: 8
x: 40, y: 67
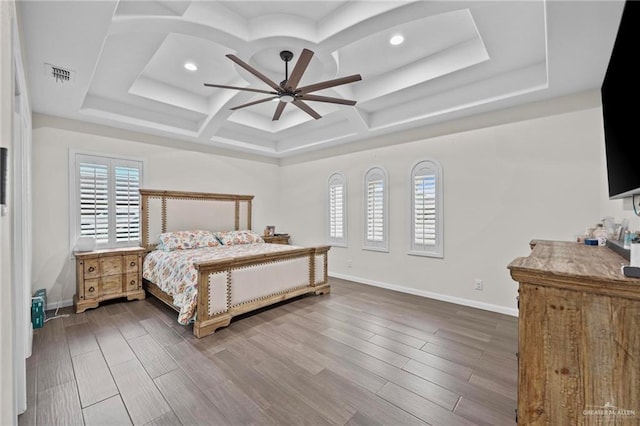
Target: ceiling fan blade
x: 254, y: 71
x: 299, y: 69
x: 279, y: 109
x: 253, y: 103
x: 306, y: 108
x: 329, y: 83
x: 240, y: 88
x: 328, y: 99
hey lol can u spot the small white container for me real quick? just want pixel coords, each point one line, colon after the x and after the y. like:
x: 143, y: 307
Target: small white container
x: 85, y: 244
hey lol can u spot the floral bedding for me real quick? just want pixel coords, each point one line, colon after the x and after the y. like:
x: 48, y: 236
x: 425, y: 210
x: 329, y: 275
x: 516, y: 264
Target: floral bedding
x: 175, y: 274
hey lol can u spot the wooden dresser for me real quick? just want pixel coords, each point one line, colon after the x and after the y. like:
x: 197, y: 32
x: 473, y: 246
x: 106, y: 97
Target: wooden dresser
x: 578, y: 337
x: 107, y: 274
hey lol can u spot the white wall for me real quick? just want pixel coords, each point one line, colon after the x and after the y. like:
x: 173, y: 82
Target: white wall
x: 164, y: 168
x: 504, y: 185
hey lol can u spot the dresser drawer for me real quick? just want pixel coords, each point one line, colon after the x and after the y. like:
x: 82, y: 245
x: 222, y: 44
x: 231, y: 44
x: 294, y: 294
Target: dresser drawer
x: 91, y: 288
x: 111, y: 284
x: 131, y: 263
x: 131, y: 282
x: 91, y: 268
x: 107, y: 274
x: 111, y: 265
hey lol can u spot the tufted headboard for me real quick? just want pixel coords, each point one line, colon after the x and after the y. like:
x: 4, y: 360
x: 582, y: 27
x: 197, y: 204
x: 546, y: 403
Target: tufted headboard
x: 166, y: 211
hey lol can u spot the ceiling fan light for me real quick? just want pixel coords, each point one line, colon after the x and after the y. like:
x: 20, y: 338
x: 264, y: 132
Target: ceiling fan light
x: 287, y: 98
x: 396, y: 39
x: 190, y: 66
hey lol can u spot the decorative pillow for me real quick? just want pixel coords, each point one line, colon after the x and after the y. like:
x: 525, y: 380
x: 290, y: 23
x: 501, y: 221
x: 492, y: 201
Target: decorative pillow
x: 230, y: 238
x: 184, y: 240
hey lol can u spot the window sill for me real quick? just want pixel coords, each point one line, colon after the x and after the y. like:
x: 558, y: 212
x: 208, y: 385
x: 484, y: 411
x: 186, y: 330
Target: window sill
x: 426, y: 254
x: 343, y: 245
x: 380, y: 249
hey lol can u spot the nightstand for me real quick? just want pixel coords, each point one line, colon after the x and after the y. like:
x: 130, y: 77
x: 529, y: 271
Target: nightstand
x: 107, y: 274
x: 277, y: 239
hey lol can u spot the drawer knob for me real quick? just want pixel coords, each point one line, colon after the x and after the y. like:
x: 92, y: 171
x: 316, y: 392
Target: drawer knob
x: 132, y: 282
x: 132, y: 264
x: 92, y: 268
x: 91, y: 289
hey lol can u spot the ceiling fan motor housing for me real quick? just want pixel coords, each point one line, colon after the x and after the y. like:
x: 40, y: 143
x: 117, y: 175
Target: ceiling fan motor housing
x: 286, y: 55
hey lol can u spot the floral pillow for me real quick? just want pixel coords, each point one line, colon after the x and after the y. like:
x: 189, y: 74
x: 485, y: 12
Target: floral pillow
x: 184, y: 240
x: 230, y: 238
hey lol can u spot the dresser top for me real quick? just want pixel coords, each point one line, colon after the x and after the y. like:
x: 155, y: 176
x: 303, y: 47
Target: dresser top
x: 108, y: 252
x: 577, y: 266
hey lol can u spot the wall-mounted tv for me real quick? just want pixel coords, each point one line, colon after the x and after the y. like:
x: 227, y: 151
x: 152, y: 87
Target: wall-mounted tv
x: 621, y: 107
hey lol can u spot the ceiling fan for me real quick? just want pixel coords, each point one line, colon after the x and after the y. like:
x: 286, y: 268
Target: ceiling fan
x: 288, y: 91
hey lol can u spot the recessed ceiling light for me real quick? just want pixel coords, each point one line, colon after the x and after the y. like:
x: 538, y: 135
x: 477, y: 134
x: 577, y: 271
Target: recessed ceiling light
x: 396, y: 39
x: 190, y: 66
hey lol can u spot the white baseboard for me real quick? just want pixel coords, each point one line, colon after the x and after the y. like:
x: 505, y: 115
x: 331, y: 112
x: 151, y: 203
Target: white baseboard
x: 59, y: 303
x: 437, y: 296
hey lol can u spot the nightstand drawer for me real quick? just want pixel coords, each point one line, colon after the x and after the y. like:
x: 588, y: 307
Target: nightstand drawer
x: 107, y: 274
x: 111, y: 265
x: 91, y: 288
x: 131, y: 282
x: 111, y: 284
x: 131, y: 263
x: 277, y: 239
x: 91, y: 268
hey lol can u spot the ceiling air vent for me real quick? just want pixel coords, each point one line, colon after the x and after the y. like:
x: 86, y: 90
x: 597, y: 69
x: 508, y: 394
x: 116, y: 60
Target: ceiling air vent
x: 59, y: 74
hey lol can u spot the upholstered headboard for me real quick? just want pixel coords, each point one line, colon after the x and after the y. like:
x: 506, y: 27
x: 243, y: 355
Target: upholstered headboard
x: 166, y: 211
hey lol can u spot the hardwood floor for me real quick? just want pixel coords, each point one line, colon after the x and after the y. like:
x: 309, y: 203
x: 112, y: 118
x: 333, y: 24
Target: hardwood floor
x: 359, y: 356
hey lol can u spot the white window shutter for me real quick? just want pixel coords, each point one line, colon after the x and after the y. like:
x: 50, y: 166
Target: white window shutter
x: 337, y: 217
x: 337, y: 212
x: 426, y: 209
x: 376, y: 209
x: 107, y: 205
x: 127, y: 206
x: 94, y: 200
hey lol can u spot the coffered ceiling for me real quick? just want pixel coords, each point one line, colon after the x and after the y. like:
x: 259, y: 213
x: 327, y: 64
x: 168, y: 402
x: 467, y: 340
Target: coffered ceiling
x: 126, y: 61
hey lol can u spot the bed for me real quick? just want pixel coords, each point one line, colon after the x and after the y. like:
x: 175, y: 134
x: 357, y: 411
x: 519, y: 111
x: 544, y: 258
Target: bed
x: 230, y: 279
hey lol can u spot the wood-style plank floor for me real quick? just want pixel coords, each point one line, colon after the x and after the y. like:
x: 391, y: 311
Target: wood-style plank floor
x: 359, y: 356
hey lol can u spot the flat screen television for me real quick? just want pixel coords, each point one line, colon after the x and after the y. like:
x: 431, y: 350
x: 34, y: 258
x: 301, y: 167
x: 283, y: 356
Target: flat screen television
x: 621, y: 107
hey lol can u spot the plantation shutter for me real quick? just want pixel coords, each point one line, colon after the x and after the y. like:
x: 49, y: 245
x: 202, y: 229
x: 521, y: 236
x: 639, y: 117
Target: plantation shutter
x: 375, y: 210
x: 336, y: 211
x: 108, y: 200
x: 425, y: 210
x: 337, y: 215
x: 127, y: 205
x: 376, y: 207
x: 94, y: 200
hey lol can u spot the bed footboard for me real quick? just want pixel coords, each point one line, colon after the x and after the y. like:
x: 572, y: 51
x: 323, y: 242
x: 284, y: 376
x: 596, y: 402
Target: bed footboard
x: 230, y: 287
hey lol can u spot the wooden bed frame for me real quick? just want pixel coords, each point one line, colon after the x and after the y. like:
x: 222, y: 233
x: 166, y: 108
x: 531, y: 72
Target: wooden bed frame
x: 166, y: 211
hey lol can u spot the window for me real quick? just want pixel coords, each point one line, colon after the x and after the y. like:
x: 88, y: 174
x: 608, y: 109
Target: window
x: 106, y: 200
x: 376, y: 207
x: 337, y: 225
x: 426, y: 209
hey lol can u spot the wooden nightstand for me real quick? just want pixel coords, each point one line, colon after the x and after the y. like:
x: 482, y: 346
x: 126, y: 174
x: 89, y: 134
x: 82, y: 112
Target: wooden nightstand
x: 107, y: 274
x: 277, y: 239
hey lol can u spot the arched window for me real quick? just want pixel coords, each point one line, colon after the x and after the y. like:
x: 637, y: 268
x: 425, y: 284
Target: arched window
x: 376, y: 205
x: 337, y: 215
x: 426, y: 209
